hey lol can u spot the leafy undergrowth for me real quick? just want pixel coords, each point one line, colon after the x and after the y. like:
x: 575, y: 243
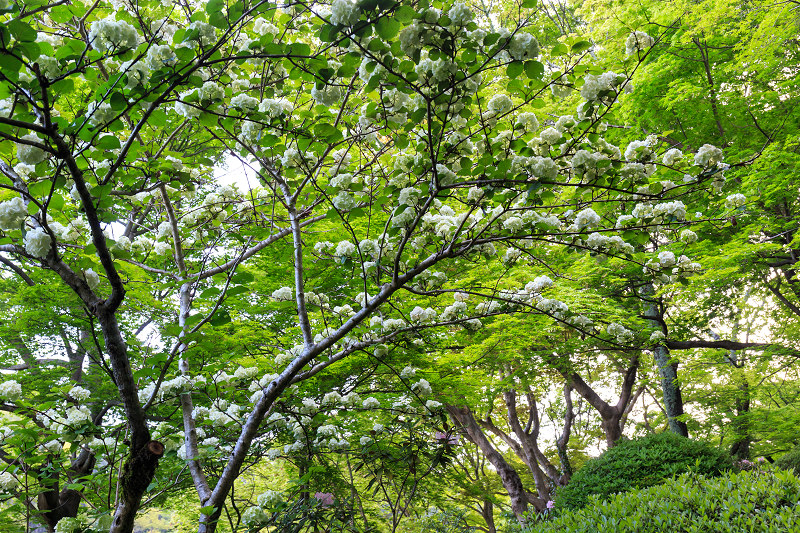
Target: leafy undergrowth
x: 753, y: 502
x: 640, y: 463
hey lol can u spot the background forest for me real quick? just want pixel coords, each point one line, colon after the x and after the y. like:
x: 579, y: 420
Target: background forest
x: 399, y: 266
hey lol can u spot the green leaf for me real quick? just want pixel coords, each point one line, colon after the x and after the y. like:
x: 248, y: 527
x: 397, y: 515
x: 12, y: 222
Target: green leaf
x: 21, y: 31
x: 215, y: 6
x: 580, y: 46
x: 514, y: 69
x: 56, y: 202
x: 387, y: 28
x: 404, y: 14
x: 559, y: 50
x: 327, y: 132
x: 529, y: 4
x: 534, y: 70
x: 108, y: 142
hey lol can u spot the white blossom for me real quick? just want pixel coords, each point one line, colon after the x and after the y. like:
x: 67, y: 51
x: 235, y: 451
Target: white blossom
x: 110, y: 35
x: 284, y: 294
x: 523, y: 46
x: 30, y: 155
x: 37, y: 242
x: 708, y: 156
x: 10, y: 390
x: 344, y: 12
x: 12, y: 214
x: 735, y: 200
x: 638, y: 41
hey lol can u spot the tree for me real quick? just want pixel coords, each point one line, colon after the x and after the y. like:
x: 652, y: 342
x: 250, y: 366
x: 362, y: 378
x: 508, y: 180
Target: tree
x: 394, y: 148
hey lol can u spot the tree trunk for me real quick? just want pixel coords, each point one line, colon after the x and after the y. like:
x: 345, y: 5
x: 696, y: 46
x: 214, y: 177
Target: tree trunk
x: 741, y: 423
x: 667, y: 369
x: 137, y: 473
x: 487, y: 512
x: 463, y: 417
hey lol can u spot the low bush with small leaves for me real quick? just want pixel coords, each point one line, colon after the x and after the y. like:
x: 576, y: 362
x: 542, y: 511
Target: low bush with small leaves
x: 758, y: 501
x: 790, y: 461
x: 640, y: 463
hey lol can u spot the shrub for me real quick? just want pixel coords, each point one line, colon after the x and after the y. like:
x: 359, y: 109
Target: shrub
x: 641, y: 463
x: 755, y: 501
x: 790, y: 461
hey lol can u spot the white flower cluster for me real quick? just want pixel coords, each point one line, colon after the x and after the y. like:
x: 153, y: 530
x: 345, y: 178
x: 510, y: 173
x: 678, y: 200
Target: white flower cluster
x: 538, y: 284
x: 672, y: 157
x: 657, y: 212
x: 620, y: 333
x: 344, y: 12
x: 603, y: 88
x: 500, y: 104
x: 666, y: 267
x: 638, y: 41
x: 79, y: 393
x: 613, y: 243
x: 328, y: 95
x: 10, y: 390
x: 523, y: 46
x: 100, y: 113
x: 254, y: 516
x: 422, y: 387
x: 284, y: 294
x: 12, y: 214
x: 8, y: 481
x: 735, y: 200
x: 30, y: 155
x: 708, y: 156
x: 527, y: 121
x: 269, y: 499
x: 244, y: 103
x: 110, y: 35
x: 688, y: 236
x: 37, y: 242
x: 639, y: 151
x: 137, y: 73
x: 423, y: 316
x: 160, y: 56
x: 370, y: 403
x: 587, y: 218
x: 206, y: 33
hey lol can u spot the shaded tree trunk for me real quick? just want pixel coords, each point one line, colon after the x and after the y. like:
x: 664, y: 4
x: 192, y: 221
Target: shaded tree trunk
x: 667, y: 368
x: 463, y: 418
x: 611, y: 416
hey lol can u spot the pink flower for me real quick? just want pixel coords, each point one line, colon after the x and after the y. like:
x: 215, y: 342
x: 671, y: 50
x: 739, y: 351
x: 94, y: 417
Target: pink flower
x: 325, y: 498
x: 452, y: 440
x: 551, y: 504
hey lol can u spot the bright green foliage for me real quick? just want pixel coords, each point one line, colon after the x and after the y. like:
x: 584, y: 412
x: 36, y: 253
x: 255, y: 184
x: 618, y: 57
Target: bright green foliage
x: 748, y: 501
x: 641, y: 463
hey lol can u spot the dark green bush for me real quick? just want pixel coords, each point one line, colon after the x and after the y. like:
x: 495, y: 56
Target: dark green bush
x: 640, y: 463
x: 754, y: 502
x: 790, y: 461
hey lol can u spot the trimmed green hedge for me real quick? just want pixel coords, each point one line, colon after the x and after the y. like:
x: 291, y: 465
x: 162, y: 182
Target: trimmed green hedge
x: 640, y: 463
x: 753, y: 502
x: 790, y: 461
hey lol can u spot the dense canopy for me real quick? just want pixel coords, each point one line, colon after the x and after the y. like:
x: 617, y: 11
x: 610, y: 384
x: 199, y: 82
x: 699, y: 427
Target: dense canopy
x: 381, y: 265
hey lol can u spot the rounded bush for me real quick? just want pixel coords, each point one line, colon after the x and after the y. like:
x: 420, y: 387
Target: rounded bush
x: 754, y: 501
x: 790, y: 461
x: 640, y: 463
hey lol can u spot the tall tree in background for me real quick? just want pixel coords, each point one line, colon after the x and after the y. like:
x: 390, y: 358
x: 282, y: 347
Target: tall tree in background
x: 391, y: 147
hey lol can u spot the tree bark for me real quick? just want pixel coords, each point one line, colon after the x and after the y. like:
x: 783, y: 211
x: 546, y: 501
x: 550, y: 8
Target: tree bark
x: 463, y: 417
x: 667, y: 368
x: 611, y: 415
